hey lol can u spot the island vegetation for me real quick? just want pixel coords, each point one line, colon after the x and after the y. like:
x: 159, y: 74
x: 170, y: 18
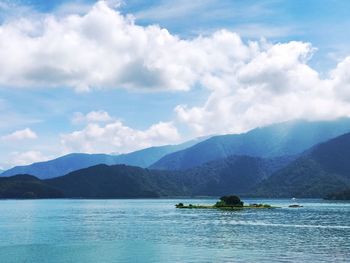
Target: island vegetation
x: 230, y: 202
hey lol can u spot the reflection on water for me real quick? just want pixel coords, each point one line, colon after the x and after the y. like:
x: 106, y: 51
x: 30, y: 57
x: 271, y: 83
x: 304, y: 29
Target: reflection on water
x: 154, y: 231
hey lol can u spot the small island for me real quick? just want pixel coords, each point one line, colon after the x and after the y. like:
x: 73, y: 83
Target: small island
x: 231, y: 202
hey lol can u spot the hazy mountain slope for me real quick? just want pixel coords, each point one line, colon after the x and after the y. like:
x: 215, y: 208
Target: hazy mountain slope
x: 283, y: 139
x: 325, y: 169
x: 72, y: 162
x: 61, y: 165
x: 146, y: 157
x: 235, y: 174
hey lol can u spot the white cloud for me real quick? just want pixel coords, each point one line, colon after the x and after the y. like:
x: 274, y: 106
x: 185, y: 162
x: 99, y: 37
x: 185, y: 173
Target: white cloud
x: 25, y: 158
x: 24, y: 134
x: 104, y: 49
x: 275, y: 84
x: 340, y: 76
x: 101, y: 49
x: 250, y: 83
x: 93, y: 116
x: 114, y: 3
x: 116, y: 137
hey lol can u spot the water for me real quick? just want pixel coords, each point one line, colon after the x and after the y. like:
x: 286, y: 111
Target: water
x: 154, y: 231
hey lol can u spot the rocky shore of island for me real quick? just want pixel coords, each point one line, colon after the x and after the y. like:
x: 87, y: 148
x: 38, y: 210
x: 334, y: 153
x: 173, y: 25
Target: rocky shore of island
x: 231, y: 202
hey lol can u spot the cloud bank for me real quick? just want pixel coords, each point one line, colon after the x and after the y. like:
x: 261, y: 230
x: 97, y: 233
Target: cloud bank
x: 250, y: 83
x: 276, y: 84
x: 117, y: 137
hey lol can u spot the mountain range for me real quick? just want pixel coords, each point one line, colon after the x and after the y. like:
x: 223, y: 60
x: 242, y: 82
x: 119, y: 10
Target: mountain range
x: 236, y: 173
x: 281, y: 139
x: 281, y: 170
x: 323, y: 170
x: 75, y: 161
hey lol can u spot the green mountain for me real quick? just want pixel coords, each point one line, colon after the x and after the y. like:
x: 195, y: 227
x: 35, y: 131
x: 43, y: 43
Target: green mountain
x: 238, y: 174
x: 119, y: 181
x: 322, y: 171
x: 235, y: 174
x: 282, y: 139
x: 26, y: 186
x: 75, y: 161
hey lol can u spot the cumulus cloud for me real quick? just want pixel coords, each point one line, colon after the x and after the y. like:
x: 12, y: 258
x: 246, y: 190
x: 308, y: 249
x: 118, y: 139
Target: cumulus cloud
x: 25, y: 158
x: 24, y: 134
x: 104, y: 49
x: 340, y: 77
x: 250, y: 83
x: 275, y: 84
x: 100, y: 49
x: 93, y: 116
x: 116, y: 137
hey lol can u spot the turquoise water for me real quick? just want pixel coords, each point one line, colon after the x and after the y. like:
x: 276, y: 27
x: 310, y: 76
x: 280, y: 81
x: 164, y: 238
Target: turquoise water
x: 154, y: 231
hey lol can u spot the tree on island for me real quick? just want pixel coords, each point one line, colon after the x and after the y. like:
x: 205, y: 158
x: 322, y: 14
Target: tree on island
x: 229, y: 200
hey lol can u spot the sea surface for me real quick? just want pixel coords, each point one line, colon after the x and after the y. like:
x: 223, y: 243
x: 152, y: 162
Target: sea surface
x: 153, y: 230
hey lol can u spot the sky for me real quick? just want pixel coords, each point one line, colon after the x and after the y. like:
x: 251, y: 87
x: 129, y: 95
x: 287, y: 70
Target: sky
x: 118, y: 76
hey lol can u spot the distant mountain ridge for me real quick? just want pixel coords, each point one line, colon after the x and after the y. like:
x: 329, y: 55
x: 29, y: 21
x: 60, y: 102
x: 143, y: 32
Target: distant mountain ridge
x: 237, y: 174
x: 322, y: 171
x: 61, y: 165
x: 145, y: 157
x: 289, y: 138
x: 75, y: 161
x: 319, y: 171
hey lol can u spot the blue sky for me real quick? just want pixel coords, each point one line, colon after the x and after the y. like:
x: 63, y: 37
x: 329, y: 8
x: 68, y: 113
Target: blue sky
x: 219, y: 67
